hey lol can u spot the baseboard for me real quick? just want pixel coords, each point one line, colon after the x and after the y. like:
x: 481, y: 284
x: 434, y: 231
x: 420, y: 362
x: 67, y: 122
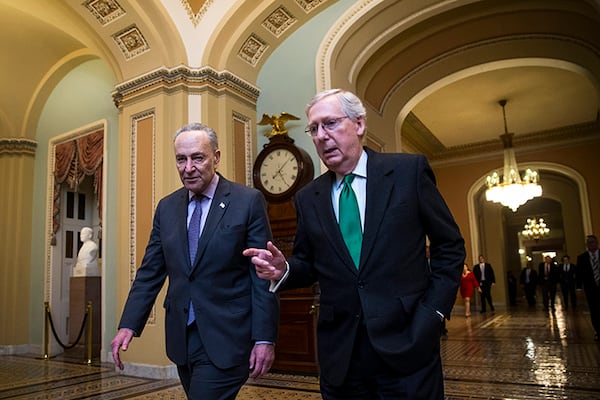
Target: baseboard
x: 149, y: 371
x: 6, y: 350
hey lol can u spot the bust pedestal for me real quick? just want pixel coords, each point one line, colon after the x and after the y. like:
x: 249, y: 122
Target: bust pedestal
x: 82, y: 290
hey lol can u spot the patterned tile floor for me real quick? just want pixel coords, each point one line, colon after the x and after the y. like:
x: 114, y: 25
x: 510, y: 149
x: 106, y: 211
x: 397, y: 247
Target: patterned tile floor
x: 520, y: 353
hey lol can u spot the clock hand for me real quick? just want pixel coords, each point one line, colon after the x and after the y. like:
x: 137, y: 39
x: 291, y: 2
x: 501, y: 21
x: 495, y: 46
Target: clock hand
x: 283, y: 178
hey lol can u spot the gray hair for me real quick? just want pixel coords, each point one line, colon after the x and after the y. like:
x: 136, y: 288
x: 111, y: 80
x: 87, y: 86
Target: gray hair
x: 197, y: 126
x: 351, y: 104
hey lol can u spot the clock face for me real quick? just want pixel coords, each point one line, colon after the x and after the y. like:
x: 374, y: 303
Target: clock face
x: 279, y: 171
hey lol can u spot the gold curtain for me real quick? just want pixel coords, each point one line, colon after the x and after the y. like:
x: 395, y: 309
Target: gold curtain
x: 73, y: 161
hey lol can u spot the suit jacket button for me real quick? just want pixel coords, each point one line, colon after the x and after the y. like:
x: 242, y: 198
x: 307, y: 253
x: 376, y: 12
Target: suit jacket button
x: 191, y: 278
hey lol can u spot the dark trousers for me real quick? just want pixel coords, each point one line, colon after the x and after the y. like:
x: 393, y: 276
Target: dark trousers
x: 529, y: 290
x: 568, y: 292
x: 370, y: 378
x: 486, y: 295
x: 592, y: 295
x: 202, y: 380
x: 548, y: 293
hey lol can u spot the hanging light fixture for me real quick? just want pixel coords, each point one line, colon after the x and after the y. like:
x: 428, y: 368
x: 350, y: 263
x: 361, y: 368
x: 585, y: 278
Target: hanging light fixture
x: 511, y: 190
x: 535, y: 229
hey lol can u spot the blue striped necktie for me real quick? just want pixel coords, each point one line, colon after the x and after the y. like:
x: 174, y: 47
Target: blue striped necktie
x: 193, y: 237
x: 194, y: 228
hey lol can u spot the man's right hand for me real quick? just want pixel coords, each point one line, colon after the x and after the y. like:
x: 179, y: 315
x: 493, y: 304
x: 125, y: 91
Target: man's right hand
x: 120, y: 342
x: 269, y: 262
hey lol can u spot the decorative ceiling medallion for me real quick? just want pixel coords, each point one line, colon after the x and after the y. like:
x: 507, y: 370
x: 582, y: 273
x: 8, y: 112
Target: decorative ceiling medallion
x: 105, y: 11
x: 309, y: 5
x: 196, y: 9
x: 252, y: 49
x: 279, y: 21
x: 131, y: 42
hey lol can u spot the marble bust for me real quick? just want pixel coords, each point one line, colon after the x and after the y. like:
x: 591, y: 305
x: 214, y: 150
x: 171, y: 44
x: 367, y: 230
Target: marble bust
x: 87, y: 258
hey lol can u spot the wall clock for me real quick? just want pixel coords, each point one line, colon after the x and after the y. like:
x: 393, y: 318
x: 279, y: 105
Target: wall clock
x: 281, y: 169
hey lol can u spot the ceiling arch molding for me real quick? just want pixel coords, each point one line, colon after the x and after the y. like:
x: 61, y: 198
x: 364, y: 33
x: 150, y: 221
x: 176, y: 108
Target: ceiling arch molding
x: 399, y: 61
x: 47, y: 84
x: 243, y: 41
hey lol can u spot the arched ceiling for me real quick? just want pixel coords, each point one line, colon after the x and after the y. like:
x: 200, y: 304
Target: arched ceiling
x: 441, y: 71
x: 434, y: 69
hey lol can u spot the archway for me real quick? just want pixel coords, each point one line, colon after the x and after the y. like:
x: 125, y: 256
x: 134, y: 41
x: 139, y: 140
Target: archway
x: 495, y: 229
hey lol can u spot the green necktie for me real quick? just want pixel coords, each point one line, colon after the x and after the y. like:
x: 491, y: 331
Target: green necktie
x: 350, y: 219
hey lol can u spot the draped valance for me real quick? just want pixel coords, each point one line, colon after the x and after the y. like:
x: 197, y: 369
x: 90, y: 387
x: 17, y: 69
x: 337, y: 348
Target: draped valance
x: 73, y: 161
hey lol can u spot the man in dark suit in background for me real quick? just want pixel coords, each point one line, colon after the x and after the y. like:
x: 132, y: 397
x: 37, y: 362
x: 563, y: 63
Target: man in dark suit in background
x: 381, y: 306
x: 588, y: 264
x: 568, y: 281
x: 528, y: 280
x: 547, y: 279
x: 221, y: 320
x: 484, y: 273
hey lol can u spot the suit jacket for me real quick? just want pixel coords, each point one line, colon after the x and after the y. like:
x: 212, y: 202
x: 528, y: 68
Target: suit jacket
x: 585, y: 278
x: 488, y: 273
x: 553, y: 276
x: 233, y: 307
x: 532, y: 278
x: 393, y: 292
x: 567, y: 278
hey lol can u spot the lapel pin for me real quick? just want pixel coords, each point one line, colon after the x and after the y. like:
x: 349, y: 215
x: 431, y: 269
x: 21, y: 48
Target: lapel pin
x: 222, y: 205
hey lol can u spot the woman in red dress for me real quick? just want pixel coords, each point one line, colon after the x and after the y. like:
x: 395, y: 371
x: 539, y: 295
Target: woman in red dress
x: 468, y: 284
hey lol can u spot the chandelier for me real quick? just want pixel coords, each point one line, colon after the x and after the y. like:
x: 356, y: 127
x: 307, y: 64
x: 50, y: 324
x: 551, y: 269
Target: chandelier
x: 535, y: 229
x: 511, y: 190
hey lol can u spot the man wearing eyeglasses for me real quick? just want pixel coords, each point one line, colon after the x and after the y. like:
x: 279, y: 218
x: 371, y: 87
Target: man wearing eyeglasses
x: 362, y: 229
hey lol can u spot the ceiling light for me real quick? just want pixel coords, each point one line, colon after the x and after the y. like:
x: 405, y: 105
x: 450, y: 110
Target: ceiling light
x: 535, y: 229
x: 511, y: 190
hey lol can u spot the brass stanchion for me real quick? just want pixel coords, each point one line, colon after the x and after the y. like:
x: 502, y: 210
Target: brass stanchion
x: 46, y: 356
x: 89, y: 333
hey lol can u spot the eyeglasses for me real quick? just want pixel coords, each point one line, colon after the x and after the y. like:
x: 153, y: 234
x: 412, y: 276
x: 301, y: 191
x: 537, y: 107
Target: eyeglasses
x: 328, y: 125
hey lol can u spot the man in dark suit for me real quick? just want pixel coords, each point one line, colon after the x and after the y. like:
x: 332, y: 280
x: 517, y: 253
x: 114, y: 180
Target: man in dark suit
x: 588, y: 268
x: 568, y: 281
x: 381, y: 306
x: 221, y: 320
x: 547, y: 279
x: 484, y: 273
x: 528, y: 280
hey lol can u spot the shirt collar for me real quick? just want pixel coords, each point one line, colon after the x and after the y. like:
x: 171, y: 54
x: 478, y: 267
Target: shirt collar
x: 360, y: 170
x: 209, y: 192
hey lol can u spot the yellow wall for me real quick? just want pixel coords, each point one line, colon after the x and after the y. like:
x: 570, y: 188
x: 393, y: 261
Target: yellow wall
x: 16, y: 181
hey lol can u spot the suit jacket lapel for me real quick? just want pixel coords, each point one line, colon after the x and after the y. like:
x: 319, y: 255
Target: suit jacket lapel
x: 379, y: 188
x: 326, y: 218
x: 181, y: 215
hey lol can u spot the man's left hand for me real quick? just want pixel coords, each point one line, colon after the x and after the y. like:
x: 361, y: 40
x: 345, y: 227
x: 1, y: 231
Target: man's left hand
x: 261, y: 359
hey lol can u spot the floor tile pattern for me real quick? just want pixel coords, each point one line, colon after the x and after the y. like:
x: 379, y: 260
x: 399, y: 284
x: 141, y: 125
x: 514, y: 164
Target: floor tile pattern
x: 519, y: 353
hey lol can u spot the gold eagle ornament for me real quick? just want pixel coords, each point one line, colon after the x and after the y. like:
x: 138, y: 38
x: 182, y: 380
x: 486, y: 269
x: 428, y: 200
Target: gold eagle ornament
x: 278, y: 123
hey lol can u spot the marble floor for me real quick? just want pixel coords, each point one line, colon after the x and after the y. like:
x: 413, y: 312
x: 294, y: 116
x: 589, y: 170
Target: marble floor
x: 518, y: 353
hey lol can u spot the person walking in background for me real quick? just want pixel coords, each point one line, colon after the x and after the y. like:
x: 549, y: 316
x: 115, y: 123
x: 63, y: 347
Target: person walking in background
x: 484, y: 273
x: 221, y: 320
x: 381, y: 306
x: 528, y: 281
x: 511, y: 281
x: 588, y: 264
x: 468, y: 284
x: 568, y: 282
x: 548, y: 278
